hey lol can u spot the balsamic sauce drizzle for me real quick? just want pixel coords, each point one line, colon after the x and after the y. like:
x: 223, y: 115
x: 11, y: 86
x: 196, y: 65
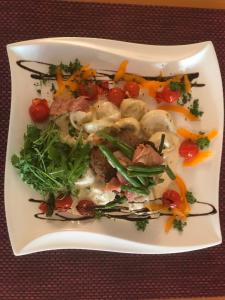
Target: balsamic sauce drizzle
x: 45, y: 76
x: 126, y: 214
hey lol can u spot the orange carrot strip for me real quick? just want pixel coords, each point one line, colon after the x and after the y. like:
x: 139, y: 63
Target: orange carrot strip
x: 187, y: 83
x: 177, y: 212
x: 154, y: 206
x: 187, y: 134
x: 194, y: 136
x: 133, y: 77
x: 212, y: 134
x: 200, y: 157
x: 179, y: 109
x: 169, y: 223
x: 121, y: 70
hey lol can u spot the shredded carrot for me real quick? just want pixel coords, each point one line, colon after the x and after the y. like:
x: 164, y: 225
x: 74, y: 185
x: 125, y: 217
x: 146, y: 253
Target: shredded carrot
x: 121, y: 70
x: 169, y: 223
x: 179, y: 213
x: 180, y: 109
x: 187, y: 83
x: 153, y: 86
x: 133, y: 77
x: 212, y: 134
x: 183, y: 191
x: 194, y: 136
x: 154, y: 206
x: 200, y: 157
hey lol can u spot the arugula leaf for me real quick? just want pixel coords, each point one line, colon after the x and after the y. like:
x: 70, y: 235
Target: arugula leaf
x: 190, y: 197
x: 141, y: 224
x: 194, y: 109
x: 48, y: 164
x: 203, y: 142
x: 179, y: 225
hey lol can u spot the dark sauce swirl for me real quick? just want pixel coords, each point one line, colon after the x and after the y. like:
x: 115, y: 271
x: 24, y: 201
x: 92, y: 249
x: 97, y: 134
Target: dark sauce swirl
x: 45, y: 76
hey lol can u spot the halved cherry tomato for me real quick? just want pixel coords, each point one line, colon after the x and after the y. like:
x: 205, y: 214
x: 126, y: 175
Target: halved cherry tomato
x: 167, y: 95
x: 43, y: 207
x: 188, y: 149
x: 86, y: 207
x: 90, y: 91
x: 39, y: 110
x: 116, y: 95
x: 132, y: 88
x: 171, y: 199
x: 104, y: 84
x: 63, y: 202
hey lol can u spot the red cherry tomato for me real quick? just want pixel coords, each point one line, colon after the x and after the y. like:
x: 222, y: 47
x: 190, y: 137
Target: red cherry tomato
x: 167, y: 95
x: 132, y: 88
x: 116, y: 95
x: 86, y: 207
x: 104, y: 84
x: 171, y: 199
x: 63, y: 202
x: 188, y: 149
x: 39, y: 110
x: 43, y: 207
x: 90, y: 91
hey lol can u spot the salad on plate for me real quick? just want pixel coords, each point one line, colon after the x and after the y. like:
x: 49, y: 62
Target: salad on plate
x: 98, y: 149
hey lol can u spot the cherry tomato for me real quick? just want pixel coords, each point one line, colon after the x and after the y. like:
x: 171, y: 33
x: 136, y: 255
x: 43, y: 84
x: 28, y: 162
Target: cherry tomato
x: 86, y: 207
x: 116, y: 95
x: 90, y: 91
x: 43, y: 207
x: 104, y: 84
x: 167, y: 95
x: 39, y: 110
x: 63, y: 202
x: 132, y: 88
x: 188, y: 149
x: 171, y: 199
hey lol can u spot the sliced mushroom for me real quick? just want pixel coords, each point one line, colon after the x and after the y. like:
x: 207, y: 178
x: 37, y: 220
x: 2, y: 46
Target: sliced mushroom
x: 157, y: 120
x: 106, y: 109
x: 97, y: 125
x: 171, y: 140
x: 78, y: 118
x: 130, y: 124
x: 133, y: 108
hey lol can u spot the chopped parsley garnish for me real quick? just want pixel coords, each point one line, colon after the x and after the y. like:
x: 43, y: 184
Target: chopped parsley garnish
x: 65, y: 68
x: 179, y: 225
x: 141, y: 224
x: 186, y: 97
x: 203, y: 142
x: 194, y: 109
x: 177, y: 86
x: 190, y: 197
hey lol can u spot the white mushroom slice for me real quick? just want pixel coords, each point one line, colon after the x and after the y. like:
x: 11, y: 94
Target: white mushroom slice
x: 133, y: 108
x: 157, y: 120
x: 106, y: 109
x: 77, y: 118
x: 171, y: 141
x: 129, y: 123
x: 97, y: 125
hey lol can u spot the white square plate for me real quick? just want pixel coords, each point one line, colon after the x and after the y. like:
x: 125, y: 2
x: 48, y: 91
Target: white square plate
x: 28, y: 234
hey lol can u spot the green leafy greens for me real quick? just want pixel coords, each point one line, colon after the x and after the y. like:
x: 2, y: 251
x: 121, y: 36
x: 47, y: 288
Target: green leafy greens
x: 141, y: 224
x: 179, y: 225
x: 203, y: 142
x: 48, y: 164
x: 194, y: 109
x: 190, y: 197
